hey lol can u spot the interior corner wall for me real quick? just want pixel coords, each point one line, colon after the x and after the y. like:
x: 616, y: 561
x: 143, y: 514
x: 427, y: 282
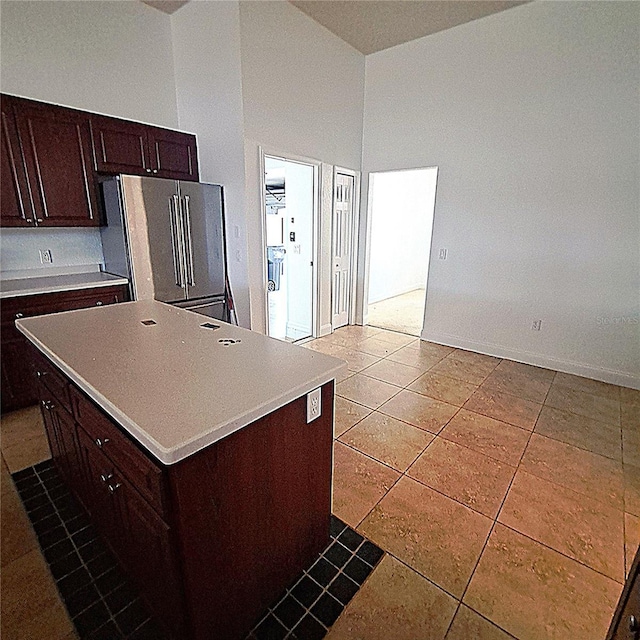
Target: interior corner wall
x: 107, y: 57
x: 206, y: 45
x: 303, y: 91
x: 532, y: 116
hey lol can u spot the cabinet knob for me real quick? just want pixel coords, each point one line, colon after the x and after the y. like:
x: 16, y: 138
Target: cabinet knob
x: 42, y: 374
x: 39, y: 220
x: 155, y: 171
x: 113, y: 487
x: 100, y: 442
x: 29, y: 220
x: 105, y: 477
x: 634, y: 625
x: 19, y: 315
x: 148, y: 170
x: 99, y: 303
x: 48, y: 405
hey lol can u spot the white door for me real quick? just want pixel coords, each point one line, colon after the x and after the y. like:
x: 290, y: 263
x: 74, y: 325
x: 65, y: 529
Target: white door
x: 342, y: 248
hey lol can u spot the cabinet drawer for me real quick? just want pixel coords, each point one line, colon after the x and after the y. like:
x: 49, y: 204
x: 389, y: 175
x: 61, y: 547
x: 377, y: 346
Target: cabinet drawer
x: 37, y: 305
x: 141, y: 472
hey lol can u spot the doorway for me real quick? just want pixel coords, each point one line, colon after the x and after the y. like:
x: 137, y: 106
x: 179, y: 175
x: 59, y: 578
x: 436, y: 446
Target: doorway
x: 290, y: 205
x: 401, y: 208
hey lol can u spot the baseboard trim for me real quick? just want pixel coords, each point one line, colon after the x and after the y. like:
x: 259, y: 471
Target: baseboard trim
x: 611, y: 376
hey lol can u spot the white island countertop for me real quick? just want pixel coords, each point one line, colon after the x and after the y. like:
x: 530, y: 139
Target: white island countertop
x: 175, y: 386
x: 52, y: 284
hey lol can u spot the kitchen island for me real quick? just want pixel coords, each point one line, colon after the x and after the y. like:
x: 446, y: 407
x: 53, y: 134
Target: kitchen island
x: 187, y: 441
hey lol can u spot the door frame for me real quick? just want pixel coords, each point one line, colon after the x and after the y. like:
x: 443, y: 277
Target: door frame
x: 355, y: 226
x: 316, y: 164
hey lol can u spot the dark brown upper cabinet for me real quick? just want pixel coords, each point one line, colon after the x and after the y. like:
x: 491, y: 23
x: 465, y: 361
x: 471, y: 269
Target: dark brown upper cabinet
x: 17, y: 210
x: 56, y: 147
x: 121, y: 146
x: 51, y: 156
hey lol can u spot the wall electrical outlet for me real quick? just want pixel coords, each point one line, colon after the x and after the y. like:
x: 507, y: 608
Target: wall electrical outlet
x: 46, y: 257
x: 313, y: 405
x: 442, y: 254
x: 537, y: 325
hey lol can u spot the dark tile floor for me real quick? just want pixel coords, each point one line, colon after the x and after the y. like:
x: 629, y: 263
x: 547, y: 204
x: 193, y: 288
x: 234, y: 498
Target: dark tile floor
x: 104, y: 604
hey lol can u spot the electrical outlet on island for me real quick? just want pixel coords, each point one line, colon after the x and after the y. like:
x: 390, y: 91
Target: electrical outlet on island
x: 46, y: 257
x: 313, y: 405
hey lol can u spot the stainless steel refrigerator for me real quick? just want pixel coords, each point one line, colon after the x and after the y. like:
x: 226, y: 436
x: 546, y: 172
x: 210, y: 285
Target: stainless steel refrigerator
x: 167, y: 237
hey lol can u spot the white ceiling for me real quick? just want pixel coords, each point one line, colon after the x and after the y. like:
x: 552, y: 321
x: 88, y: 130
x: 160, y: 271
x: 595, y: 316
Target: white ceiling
x: 374, y: 25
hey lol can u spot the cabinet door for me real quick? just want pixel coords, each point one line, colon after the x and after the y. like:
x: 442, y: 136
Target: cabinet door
x: 18, y: 384
x: 16, y: 204
x: 149, y: 555
x: 101, y: 485
x: 57, y: 150
x: 63, y: 439
x: 120, y: 146
x: 140, y: 539
x: 173, y: 154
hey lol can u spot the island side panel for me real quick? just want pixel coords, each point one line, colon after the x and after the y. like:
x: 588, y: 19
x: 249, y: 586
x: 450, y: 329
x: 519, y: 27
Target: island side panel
x: 251, y: 512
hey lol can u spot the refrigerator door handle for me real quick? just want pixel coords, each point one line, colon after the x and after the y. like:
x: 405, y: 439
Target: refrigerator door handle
x: 176, y: 245
x: 189, y: 242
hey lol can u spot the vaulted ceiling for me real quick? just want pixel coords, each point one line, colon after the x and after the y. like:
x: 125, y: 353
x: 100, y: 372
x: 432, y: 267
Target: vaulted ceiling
x: 374, y: 25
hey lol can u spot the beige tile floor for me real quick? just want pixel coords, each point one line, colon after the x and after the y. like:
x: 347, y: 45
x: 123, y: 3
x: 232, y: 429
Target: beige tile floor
x: 401, y: 313
x: 30, y: 606
x: 506, y: 496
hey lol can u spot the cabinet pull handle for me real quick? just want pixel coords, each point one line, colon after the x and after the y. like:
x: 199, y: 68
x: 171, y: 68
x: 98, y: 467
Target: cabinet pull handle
x: 42, y: 374
x: 105, y: 477
x: 101, y: 442
x: 19, y: 315
x: 99, y: 303
x: 114, y: 487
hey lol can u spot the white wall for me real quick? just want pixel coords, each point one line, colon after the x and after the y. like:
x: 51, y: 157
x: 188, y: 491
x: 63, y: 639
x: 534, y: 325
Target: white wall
x: 110, y: 57
x: 106, y: 57
x: 302, y: 95
x: 19, y: 250
x: 206, y: 44
x: 532, y: 117
x: 401, y: 212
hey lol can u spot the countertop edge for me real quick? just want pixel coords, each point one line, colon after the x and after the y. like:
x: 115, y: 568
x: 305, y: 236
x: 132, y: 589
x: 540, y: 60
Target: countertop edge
x: 35, y: 291
x: 169, y: 457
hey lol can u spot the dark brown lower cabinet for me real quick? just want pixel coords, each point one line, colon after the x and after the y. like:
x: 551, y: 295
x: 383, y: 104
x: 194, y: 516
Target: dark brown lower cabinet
x: 18, y: 389
x: 213, y: 540
x: 626, y: 620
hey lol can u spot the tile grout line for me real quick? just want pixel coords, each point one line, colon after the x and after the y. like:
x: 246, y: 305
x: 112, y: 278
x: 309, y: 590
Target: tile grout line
x: 495, y: 521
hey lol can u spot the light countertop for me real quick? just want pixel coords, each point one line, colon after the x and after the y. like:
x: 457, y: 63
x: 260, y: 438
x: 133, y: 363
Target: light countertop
x: 173, y: 385
x: 52, y: 284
